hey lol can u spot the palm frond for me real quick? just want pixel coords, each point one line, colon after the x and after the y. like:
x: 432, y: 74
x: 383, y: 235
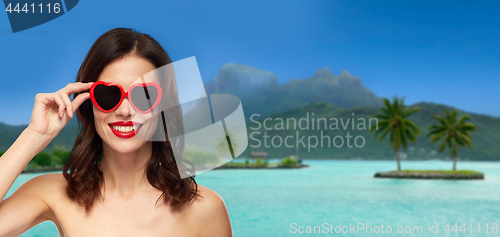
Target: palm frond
x: 442, y: 146
x: 468, y: 127
x: 438, y: 136
x: 403, y: 139
x: 394, y: 122
x: 453, y: 131
x: 387, y: 130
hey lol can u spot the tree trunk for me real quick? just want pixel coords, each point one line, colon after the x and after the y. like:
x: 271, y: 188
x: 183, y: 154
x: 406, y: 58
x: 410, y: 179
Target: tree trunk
x: 397, y: 158
x: 454, y: 163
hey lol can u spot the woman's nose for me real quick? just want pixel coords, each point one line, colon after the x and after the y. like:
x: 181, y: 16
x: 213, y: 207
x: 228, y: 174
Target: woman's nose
x: 124, y: 110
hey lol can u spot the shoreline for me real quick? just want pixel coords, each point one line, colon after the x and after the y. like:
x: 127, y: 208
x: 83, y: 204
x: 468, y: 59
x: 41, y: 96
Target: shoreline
x: 298, y: 166
x: 356, y: 159
x: 429, y: 175
x: 56, y: 168
x: 42, y: 169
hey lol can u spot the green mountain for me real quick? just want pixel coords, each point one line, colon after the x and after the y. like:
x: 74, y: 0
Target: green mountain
x: 333, y: 121
x: 330, y: 103
x: 8, y: 134
x: 260, y: 94
x: 339, y: 126
x: 65, y: 139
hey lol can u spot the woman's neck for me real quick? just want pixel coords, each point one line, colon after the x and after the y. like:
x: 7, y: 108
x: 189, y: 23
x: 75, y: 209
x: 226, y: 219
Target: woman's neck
x: 125, y: 173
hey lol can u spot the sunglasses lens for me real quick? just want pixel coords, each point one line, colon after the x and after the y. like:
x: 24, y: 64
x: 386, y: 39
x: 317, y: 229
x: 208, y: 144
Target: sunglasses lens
x: 144, y: 97
x: 107, y: 96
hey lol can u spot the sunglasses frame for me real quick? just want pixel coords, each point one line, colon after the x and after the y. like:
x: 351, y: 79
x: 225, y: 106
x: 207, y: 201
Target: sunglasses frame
x: 125, y: 94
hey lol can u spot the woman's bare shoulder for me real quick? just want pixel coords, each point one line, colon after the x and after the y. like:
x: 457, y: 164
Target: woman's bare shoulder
x: 47, y: 185
x: 53, y: 179
x: 209, y: 212
x: 208, y: 197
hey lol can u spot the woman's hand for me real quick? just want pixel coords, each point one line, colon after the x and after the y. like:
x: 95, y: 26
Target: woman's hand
x: 52, y: 111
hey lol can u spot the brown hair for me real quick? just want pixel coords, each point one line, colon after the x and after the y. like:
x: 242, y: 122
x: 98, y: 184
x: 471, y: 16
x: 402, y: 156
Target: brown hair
x: 84, y: 177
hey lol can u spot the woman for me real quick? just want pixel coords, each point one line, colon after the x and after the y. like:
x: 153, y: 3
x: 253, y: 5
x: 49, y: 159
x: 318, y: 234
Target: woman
x: 113, y: 184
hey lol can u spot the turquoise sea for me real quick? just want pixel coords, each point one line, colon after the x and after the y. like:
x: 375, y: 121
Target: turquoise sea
x: 337, y: 194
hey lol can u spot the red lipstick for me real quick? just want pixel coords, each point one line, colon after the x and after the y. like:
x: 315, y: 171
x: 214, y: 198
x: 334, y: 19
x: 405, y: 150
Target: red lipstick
x: 125, y: 129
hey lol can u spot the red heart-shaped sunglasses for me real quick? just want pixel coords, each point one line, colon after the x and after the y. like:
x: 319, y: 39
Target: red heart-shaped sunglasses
x: 143, y: 97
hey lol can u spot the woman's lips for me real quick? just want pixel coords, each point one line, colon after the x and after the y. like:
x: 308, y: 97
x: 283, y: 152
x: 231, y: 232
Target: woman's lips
x: 125, y: 129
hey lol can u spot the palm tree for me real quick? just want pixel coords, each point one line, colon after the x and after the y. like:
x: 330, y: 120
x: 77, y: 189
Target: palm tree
x: 453, y: 132
x: 222, y: 144
x: 394, y: 121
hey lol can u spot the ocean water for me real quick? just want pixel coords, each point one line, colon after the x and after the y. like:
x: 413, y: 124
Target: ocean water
x: 339, y: 196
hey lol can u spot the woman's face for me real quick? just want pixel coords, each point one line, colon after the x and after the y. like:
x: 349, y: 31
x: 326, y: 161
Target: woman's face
x: 114, y: 127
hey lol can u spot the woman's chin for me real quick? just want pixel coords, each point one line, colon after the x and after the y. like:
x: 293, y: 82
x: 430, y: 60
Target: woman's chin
x: 129, y: 145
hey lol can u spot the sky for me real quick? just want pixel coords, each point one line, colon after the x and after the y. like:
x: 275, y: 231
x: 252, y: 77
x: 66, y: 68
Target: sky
x: 445, y: 52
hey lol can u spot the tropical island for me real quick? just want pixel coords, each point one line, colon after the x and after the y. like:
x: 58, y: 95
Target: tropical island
x: 261, y: 162
x: 55, y: 160
x: 431, y: 174
x: 206, y: 159
x: 453, y: 132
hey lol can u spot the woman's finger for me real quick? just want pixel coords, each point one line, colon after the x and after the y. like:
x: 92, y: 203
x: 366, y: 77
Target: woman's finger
x: 57, y: 98
x: 67, y: 102
x: 76, y: 87
x: 47, y: 99
x: 80, y: 99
